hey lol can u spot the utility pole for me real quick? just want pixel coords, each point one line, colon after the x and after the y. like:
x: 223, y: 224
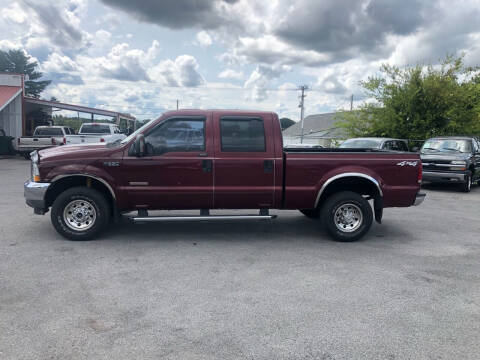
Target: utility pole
x: 302, y: 107
x: 351, y: 103
x: 177, y: 104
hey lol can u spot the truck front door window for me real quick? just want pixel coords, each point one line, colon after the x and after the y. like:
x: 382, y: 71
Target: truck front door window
x: 176, y: 135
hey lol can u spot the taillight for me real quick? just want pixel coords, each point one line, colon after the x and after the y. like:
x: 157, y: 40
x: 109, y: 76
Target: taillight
x: 64, y: 141
x: 420, y: 172
x: 102, y: 140
x: 54, y: 142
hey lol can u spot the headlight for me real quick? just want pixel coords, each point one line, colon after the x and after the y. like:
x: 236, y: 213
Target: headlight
x: 458, y: 162
x: 35, y: 170
x: 34, y: 156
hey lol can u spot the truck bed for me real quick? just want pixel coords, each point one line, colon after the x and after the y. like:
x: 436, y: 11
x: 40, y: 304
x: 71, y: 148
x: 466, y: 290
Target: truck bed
x: 307, y: 170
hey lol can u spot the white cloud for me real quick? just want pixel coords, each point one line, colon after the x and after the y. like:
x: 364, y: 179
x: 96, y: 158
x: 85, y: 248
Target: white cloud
x: 231, y: 74
x: 121, y: 63
x: 181, y: 72
x: 14, y: 14
x: 57, y: 63
x: 260, y: 78
x: 203, y: 39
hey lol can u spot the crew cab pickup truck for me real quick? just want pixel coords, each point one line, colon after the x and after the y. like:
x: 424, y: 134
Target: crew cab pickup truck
x: 43, y: 137
x: 96, y: 132
x: 451, y: 159
x: 218, y: 159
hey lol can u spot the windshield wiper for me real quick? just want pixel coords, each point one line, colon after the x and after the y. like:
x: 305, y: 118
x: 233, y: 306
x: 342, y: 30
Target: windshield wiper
x: 429, y: 148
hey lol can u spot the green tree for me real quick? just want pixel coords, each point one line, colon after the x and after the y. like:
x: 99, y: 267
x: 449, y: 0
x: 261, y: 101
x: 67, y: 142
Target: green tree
x: 17, y: 61
x: 286, y: 123
x: 418, y: 102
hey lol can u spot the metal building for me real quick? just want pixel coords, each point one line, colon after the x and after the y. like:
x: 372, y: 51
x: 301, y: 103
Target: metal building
x: 16, y: 109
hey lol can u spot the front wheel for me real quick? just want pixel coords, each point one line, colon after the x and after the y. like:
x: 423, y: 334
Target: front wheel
x: 347, y: 216
x: 467, y: 185
x: 80, y: 213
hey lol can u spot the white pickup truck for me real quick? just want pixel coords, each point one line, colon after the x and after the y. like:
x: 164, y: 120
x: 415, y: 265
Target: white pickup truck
x: 96, y: 132
x: 43, y: 137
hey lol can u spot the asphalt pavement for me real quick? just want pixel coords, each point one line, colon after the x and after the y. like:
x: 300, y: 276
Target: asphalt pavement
x: 276, y: 289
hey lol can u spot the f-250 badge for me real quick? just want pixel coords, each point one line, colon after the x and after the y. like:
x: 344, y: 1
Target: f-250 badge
x: 409, y: 163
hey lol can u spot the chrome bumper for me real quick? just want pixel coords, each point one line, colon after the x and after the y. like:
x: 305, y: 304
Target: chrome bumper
x: 35, y: 196
x: 419, y: 199
x: 436, y: 176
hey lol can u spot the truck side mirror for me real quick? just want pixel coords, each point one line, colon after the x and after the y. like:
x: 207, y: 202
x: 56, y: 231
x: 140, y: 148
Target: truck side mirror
x: 139, y: 145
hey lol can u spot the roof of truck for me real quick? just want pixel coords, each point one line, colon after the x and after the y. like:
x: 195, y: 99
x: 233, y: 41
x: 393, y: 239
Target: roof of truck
x: 206, y: 111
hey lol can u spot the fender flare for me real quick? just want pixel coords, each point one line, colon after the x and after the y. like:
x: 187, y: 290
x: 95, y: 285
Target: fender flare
x: 110, y: 189
x: 347, y: 174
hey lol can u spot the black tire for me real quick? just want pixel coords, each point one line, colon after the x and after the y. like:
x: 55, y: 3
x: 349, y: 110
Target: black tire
x: 26, y: 156
x: 94, y: 203
x: 467, y: 185
x: 361, y: 224
x: 311, y: 213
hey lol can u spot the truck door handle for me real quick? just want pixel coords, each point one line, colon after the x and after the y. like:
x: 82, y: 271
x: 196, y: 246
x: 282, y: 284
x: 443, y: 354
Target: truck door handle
x: 268, y: 166
x: 203, y: 154
x: 207, y: 165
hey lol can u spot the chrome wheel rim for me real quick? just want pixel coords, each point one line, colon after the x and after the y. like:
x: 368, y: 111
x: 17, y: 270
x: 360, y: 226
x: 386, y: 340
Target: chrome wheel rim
x: 348, y: 217
x: 79, y: 215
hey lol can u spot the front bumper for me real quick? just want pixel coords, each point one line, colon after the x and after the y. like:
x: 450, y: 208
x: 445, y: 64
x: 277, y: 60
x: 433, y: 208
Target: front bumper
x: 444, y: 177
x: 34, y: 193
x: 419, y: 199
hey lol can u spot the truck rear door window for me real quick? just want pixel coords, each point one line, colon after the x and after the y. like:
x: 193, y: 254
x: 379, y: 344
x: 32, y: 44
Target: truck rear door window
x: 176, y: 135
x: 242, y: 134
x: 49, y: 132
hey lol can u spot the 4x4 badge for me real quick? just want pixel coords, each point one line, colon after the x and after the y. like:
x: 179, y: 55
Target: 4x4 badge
x: 409, y: 163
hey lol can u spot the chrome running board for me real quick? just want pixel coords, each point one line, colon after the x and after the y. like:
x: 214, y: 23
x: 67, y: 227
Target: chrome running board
x: 143, y: 219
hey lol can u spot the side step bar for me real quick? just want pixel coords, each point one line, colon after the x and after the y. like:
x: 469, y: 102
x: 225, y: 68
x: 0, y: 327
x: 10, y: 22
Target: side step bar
x: 140, y: 219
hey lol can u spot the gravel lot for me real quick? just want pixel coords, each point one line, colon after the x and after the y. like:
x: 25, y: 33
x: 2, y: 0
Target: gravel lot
x: 242, y: 290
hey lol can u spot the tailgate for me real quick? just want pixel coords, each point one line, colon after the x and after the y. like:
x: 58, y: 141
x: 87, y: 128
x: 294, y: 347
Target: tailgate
x: 35, y: 141
x: 83, y: 139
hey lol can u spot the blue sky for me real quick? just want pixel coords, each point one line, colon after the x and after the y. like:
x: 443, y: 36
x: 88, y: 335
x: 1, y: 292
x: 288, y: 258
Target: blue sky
x: 141, y: 56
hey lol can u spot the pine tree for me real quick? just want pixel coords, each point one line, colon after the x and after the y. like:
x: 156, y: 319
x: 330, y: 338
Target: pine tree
x: 16, y: 61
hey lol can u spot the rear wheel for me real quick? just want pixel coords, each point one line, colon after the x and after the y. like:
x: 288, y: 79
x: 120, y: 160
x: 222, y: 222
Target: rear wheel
x: 310, y: 213
x: 347, y: 216
x: 467, y: 185
x: 80, y: 213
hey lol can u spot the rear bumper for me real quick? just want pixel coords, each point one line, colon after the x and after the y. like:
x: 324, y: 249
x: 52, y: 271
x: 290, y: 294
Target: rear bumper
x: 445, y: 177
x: 419, y: 199
x: 35, y: 196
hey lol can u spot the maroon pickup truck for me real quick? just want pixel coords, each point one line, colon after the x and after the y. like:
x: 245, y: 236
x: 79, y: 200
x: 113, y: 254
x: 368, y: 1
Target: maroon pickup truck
x: 218, y: 159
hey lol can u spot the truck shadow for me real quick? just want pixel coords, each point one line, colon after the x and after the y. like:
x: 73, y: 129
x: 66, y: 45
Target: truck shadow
x: 449, y: 188
x: 284, y: 229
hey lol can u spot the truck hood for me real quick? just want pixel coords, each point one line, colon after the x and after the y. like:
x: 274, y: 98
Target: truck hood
x: 73, y: 151
x: 437, y: 156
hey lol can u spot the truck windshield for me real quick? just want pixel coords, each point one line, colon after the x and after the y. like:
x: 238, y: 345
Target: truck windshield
x: 447, y: 145
x: 94, y: 129
x: 48, y: 132
x: 361, y: 144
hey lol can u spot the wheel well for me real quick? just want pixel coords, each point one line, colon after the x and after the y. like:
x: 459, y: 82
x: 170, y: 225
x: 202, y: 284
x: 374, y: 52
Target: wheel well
x: 68, y: 182
x: 356, y: 184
